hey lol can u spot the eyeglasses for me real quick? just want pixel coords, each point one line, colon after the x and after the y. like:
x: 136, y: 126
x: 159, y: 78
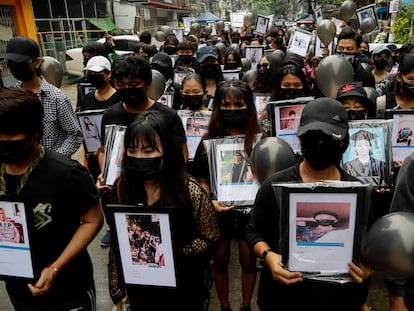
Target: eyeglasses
x: 264, y: 66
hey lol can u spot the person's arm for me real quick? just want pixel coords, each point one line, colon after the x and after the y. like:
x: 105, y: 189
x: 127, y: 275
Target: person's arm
x: 70, y: 125
x: 91, y: 223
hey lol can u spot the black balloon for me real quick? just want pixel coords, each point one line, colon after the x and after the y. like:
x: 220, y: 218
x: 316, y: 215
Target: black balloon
x: 271, y: 155
x: 389, y: 245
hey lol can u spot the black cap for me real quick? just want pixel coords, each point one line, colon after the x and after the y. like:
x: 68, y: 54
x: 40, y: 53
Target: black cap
x: 324, y: 114
x: 20, y: 49
x: 354, y: 90
x: 162, y: 59
x: 392, y: 47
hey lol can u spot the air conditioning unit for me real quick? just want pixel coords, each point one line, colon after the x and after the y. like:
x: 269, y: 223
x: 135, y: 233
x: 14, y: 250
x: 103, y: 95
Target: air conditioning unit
x: 145, y: 13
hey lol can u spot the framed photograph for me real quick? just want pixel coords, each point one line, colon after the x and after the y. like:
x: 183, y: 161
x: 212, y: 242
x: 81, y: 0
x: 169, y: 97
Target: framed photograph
x: 179, y: 33
x: 213, y: 28
x: 285, y: 116
x: 143, y: 236
x: 180, y: 75
x: 402, y: 133
x: 237, y: 19
x: 338, y: 23
x: 365, y: 12
x: 299, y: 42
x: 166, y: 99
x: 187, y: 23
x: 319, y: 46
x: 231, y: 74
x: 322, y: 225
x: 318, y: 14
x: 114, y: 152
x: 15, y: 245
x: 262, y: 22
x: 260, y: 101
x: 195, y: 125
x: 87, y: 87
x: 254, y: 54
x: 393, y: 7
x: 90, y: 122
x: 231, y: 176
x: 368, y: 156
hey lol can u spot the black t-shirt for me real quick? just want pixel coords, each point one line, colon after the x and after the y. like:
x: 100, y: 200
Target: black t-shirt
x: 91, y: 103
x: 116, y: 114
x: 264, y: 226
x: 58, y: 191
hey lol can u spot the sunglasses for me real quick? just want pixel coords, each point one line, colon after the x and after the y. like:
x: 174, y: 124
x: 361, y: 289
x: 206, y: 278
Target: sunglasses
x: 264, y: 66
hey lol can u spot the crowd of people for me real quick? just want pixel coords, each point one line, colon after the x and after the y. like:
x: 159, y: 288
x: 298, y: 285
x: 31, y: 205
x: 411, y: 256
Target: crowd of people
x: 40, y: 131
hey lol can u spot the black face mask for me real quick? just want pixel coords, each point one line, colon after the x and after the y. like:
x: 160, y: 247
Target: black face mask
x: 264, y: 78
x: 21, y: 71
x: 210, y: 71
x: 186, y: 59
x: 12, y: 151
x: 230, y: 66
x: 349, y: 56
x: 381, y: 64
x: 291, y: 93
x: 96, y: 80
x: 133, y: 97
x: 144, y: 168
x: 408, y: 89
x: 365, y: 52
x: 193, y: 102
x: 394, y: 59
x: 170, y: 50
x: 231, y: 119
x: 279, y: 41
x: 325, y: 222
x: 321, y: 154
x: 356, y: 114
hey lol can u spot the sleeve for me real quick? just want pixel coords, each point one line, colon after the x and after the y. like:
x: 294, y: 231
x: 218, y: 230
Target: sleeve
x: 200, y: 167
x: 70, y: 124
x: 205, y: 242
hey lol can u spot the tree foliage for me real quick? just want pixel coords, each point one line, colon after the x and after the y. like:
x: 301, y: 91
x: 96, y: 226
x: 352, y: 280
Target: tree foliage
x: 402, y: 25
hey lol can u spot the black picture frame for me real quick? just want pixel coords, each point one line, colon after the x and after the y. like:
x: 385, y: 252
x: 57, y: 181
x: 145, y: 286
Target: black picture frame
x: 91, y: 137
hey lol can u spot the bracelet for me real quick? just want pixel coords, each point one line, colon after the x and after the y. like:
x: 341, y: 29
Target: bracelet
x: 56, y: 270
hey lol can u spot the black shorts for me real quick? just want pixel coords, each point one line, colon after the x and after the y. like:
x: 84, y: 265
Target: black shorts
x: 233, y: 223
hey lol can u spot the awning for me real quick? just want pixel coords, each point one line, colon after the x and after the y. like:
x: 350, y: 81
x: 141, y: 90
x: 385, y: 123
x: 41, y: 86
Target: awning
x: 104, y: 23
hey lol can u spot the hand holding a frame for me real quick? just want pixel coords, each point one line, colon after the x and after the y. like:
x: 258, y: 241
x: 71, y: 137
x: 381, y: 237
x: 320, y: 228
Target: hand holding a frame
x: 219, y: 207
x: 359, y: 273
x: 45, y: 282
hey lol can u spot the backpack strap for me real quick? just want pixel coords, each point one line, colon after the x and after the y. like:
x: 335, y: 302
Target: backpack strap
x: 380, y: 106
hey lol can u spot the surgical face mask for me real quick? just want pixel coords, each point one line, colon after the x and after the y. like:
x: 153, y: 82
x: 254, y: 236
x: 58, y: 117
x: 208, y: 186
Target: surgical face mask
x: 186, y: 59
x: 394, y: 59
x: 144, y: 168
x: 279, y: 41
x: 96, y: 80
x: 12, y: 151
x: 133, y: 97
x: 170, y: 50
x: 408, y: 88
x: 210, y: 71
x: 231, y: 119
x: 193, y: 102
x: 230, y: 66
x: 381, y: 64
x: 321, y: 152
x: 291, y: 93
x: 356, y: 114
x: 21, y: 71
x: 349, y: 56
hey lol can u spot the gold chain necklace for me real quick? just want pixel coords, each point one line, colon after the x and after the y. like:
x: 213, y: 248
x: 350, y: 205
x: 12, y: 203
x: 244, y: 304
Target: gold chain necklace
x: 25, y: 176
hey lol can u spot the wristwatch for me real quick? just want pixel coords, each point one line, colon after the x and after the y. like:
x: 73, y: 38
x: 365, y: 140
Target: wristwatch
x: 265, y: 252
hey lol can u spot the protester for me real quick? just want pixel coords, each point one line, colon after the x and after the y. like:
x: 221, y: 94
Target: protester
x: 323, y: 134
x: 61, y: 129
x: 290, y: 83
x: 186, y: 57
x: 145, y: 37
x: 277, y: 35
x: 356, y: 103
x: 234, y: 114
x: 194, y: 92
x: 153, y: 175
x: 380, y: 68
x: 65, y: 218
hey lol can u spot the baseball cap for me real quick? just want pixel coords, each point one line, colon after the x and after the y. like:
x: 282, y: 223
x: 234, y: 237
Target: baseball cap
x: 98, y: 63
x: 162, y: 59
x: 392, y: 47
x: 354, y: 90
x: 324, y: 114
x: 20, y: 49
x: 380, y: 49
x: 204, y: 52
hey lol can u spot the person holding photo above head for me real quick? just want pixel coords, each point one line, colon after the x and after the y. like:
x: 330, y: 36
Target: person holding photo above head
x: 194, y: 92
x: 61, y: 128
x: 234, y: 114
x: 64, y: 219
x: 323, y: 135
x: 348, y: 47
x: 132, y: 78
x: 210, y: 70
x: 153, y: 175
x: 356, y: 102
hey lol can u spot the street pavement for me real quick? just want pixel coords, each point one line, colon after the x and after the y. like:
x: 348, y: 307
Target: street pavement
x: 377, y: 300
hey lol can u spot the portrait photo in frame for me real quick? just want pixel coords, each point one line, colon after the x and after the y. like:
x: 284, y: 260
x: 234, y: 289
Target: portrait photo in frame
x: 145, y: 265
x: 299, y: 41
x: 365, y: 12
x: 319, y: 46
x: 90, y: 123
x: 231, y: 177
x: 322, y: 225
x: 318, y: 14
x: 15, y: 243
x: 213, y: 28
x: 262, y: 23
x: 231, y: 74
x: 179, y: 33
x: 254, y: 54
x: 180, y: 75
x: 402, y: 133
x: 260, y: 101
x: 368, y: 155
x: 114, y: 152
x: 166, y: 99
